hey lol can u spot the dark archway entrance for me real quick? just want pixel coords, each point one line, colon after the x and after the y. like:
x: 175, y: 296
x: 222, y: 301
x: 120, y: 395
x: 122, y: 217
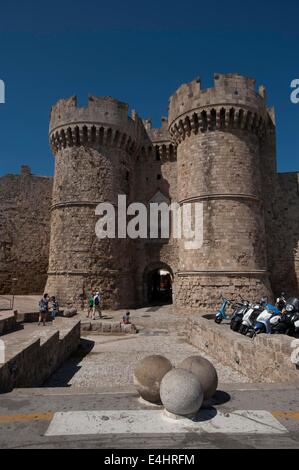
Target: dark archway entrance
x: 158, y: 281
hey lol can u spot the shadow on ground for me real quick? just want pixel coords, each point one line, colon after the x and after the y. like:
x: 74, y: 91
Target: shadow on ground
x: 219, y: 398
x: 66, y: 372
x: 208, y: 410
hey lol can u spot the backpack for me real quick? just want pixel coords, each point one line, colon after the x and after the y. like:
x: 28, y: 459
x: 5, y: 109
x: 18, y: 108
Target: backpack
x: 97, y: 300
x: 42, y: 306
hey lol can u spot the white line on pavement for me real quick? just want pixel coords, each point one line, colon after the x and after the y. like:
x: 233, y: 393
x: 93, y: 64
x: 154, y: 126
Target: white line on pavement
x: 155, y: 422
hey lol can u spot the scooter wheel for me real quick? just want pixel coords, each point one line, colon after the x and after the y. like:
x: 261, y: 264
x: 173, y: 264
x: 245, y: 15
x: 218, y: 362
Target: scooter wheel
x: 234, y: 326
x: 252, y: 334
x: 218, y: 320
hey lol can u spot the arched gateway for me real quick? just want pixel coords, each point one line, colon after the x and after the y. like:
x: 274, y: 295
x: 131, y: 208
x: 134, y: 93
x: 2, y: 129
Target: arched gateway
x: 157, y: 284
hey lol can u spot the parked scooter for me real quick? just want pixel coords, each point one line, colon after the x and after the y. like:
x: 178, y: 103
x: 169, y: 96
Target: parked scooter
x: 289, y: 320
x: 239, y: 310
x: 281, y: 302
x: 266, y: 320
x: 249, y: 318
x: 221, y: 314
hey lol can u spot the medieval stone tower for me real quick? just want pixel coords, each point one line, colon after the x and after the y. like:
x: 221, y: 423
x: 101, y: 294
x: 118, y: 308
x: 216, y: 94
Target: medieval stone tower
x: 95, y: 153
x: 218, y: 133
x: 217, y: 147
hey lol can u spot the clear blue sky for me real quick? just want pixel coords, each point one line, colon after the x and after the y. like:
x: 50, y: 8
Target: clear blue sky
x: 138, y: 52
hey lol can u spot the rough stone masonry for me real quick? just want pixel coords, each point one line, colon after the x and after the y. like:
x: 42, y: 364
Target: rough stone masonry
x: 217, y: 146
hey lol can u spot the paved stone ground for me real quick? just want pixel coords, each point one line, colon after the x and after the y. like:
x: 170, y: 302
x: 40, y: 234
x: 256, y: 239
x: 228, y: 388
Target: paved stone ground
x: 112, y: 358
x: 28, y: 419
x: 107, y: 362
x: 96, y: 385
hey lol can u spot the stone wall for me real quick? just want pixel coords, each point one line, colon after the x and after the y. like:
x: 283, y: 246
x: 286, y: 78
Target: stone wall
x: 203, y: 293
x: 8, y: 322
x: 283, y: 239
x: 25, y: 202
x: 31, y: 363
x: 106, y: 327
x: 79, y: 261
x: 266, y: 358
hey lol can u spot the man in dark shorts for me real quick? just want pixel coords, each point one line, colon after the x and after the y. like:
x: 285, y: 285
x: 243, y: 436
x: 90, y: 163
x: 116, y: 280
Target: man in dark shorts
x: 43, y: 309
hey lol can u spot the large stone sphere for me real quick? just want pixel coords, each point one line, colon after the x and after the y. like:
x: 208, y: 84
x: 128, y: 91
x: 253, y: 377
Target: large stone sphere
x: 148, y: 375
x: 204, y: 371
x: 181, y: 392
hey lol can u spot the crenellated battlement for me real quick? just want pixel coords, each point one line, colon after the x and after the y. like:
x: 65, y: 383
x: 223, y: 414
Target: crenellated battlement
x: 232, y: 102
x: 159, y: 134
x: 158, y: 142
x: 104, y: 121
x: 100, y: 109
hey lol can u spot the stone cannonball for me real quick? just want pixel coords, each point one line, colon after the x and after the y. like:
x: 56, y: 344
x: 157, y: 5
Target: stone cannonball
x: 148, y: 375
x: 181, y: 392
x: 204, y: 371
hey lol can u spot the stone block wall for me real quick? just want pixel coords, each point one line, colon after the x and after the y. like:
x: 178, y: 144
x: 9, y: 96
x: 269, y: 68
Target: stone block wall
x: 266, y: 358
x: 35, y: 361
x: 25, y: 202
x: 203, y: 293
x: 283, y: 234
x: 8, y: 322
x: 106, y: 327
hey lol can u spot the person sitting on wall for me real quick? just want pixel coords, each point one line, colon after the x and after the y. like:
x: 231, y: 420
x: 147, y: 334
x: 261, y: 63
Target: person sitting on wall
x: 127, y: 321
x: 43, y: 309
x: 126, y: 318
x: 55, y: 307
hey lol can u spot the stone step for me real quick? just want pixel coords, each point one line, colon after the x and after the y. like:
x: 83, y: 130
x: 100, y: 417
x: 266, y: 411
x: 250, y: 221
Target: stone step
x: 33, y: 353
x: 105, y: 327
x: 8, y: 322
x: 16, y: 341
x: 33, y: 316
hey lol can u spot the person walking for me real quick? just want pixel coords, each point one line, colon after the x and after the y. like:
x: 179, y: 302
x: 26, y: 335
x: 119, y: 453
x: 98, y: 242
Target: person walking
x: 90, y: 305
x: 43, y: 309
x: 97, y: 305
x: 55, y: 307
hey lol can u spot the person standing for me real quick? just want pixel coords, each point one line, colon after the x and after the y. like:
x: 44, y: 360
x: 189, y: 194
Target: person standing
x: 97, y: 305
x: 55, y: 307
x: 43, y: 309
x: 90, y: 305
